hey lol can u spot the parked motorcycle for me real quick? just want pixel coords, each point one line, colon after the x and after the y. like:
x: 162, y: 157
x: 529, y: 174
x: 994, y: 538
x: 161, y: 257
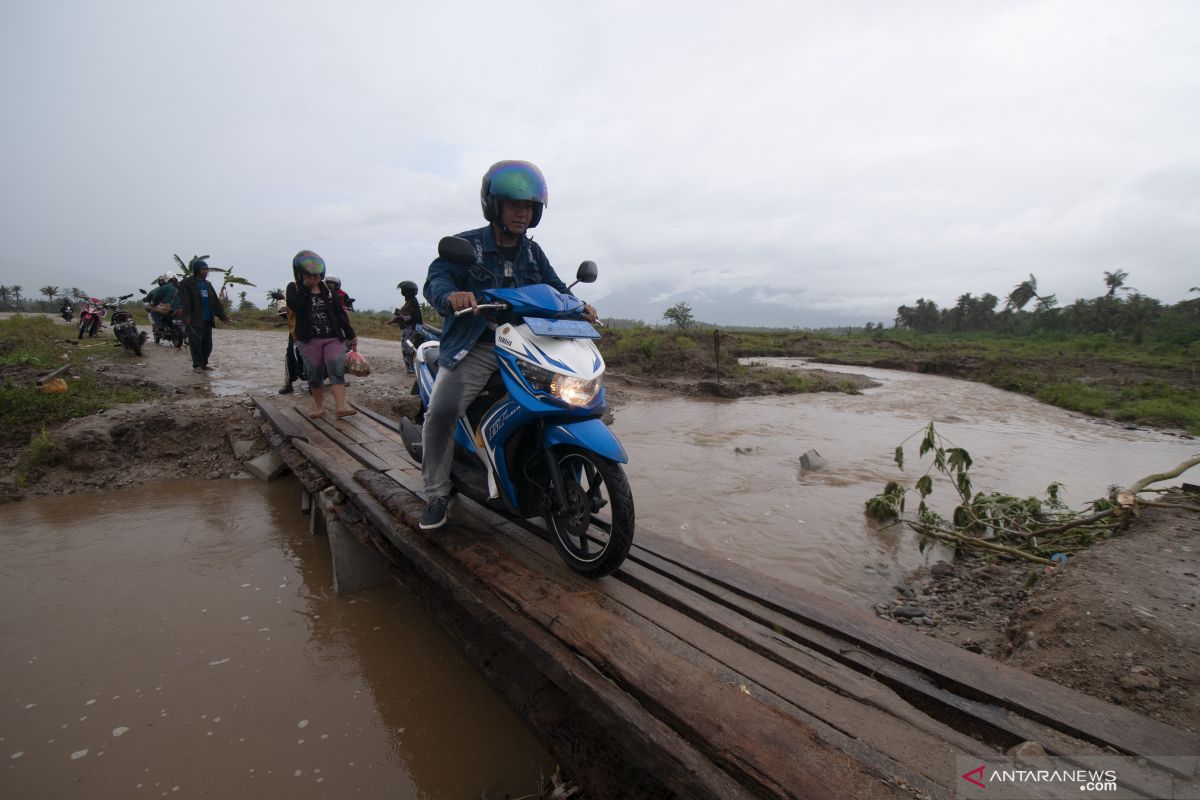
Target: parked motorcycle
x: 92, y: 311
x: 124, y: 328
x: 532, y: 444
x: 165, y: 325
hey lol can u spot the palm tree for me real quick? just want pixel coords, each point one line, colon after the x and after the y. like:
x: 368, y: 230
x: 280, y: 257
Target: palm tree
x: 1115, y: 280
x: 5, y: 294
x: 1022, y: 293
x: 15, y: 291
x: 50, y: 292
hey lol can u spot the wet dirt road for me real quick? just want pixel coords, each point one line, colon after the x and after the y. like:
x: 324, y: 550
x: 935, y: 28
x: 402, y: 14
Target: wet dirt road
x: 143, y: 657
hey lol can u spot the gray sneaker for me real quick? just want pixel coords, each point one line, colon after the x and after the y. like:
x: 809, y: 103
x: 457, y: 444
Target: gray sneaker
x: 435, y: 514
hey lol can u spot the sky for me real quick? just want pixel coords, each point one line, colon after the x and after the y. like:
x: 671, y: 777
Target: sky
x: 795, y: 164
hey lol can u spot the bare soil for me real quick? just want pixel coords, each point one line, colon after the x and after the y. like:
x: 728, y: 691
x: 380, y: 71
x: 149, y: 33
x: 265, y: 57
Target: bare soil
x: 1120, y: 622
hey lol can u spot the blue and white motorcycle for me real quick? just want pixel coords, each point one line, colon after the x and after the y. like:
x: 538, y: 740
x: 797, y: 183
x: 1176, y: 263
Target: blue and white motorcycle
x: 533, y: 444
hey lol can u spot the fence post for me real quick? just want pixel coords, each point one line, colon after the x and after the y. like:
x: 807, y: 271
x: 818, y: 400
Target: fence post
x: 717, y: 351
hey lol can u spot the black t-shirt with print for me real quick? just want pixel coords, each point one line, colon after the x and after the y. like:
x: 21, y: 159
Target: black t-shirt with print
x: 321, y: 317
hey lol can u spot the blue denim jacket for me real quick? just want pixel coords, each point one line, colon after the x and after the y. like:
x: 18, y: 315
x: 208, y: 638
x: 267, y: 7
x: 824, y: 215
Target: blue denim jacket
x: 459, y: 334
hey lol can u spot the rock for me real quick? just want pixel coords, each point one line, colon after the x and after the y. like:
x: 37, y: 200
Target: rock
x: 268, y: 466
x: 242, y: 448
x: 908, y: 612
x: 943, y: 569
x: 1139, y: 681
x: 812, y: 461
x: 1025, y: 751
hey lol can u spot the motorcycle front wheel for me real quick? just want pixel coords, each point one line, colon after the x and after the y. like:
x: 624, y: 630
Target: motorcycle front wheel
x: 595, y: 529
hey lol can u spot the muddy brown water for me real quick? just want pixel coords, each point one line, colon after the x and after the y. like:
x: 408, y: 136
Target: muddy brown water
x: 143, y: 657
x: 725, y: 476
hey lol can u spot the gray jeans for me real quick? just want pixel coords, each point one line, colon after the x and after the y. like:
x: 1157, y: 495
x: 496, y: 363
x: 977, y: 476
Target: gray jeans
x: 453, y: 391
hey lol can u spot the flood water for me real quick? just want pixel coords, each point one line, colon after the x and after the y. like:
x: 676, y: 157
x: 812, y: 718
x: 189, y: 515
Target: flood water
x: 183, y: 639
x: 725, y: 477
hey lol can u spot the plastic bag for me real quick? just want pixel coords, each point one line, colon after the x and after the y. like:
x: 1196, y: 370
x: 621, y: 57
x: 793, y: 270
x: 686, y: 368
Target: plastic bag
x: 357, y: 365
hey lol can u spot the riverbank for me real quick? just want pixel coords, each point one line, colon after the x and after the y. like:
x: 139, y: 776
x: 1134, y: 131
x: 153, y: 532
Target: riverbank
x: 202, y: 426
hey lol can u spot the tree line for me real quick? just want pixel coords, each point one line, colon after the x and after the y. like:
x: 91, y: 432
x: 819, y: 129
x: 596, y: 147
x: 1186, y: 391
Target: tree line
x: 1121, y: 311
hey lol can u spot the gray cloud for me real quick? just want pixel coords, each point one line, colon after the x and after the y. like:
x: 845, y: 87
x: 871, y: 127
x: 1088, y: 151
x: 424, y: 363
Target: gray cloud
x: 793, y: 163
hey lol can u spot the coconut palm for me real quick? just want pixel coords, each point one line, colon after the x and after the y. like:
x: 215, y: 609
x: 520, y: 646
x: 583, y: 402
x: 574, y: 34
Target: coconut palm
x: 5, y: 294
x: 1116, y: 280
x: 50, y: 291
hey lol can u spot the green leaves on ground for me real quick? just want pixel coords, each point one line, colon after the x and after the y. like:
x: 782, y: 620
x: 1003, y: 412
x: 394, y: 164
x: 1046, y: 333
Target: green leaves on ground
x: 1033, y: 528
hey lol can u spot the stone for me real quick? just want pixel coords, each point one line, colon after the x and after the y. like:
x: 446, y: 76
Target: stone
x: 1024, y: 752
x: 908, y: 612
x: 1138, y: 681
x: 812, y: 461
x: 242, y: 448
x: 268, y: 466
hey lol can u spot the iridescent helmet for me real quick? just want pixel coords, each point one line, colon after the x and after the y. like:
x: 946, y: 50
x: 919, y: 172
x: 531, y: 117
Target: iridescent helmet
x: 512, y: 180
x: 307, y: 262
x: 408, y: 288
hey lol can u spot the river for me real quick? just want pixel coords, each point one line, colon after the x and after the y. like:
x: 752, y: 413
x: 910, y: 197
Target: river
x: 725, y: 475
x: 183, y: 639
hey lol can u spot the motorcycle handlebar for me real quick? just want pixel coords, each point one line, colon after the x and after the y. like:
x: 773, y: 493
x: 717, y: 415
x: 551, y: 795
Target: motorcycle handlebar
x: 500, y: 306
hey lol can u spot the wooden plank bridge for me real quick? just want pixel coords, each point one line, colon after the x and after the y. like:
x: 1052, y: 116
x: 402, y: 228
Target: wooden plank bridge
x: 685, y: 675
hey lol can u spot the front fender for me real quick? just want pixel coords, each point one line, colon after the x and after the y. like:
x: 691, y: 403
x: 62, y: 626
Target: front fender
x: 589, y: 434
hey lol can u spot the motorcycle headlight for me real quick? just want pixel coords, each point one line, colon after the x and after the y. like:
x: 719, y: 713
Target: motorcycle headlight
x: 572, y: 391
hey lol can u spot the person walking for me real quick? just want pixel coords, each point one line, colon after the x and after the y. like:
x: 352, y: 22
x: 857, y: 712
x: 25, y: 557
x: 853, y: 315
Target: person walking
x: 323, y: 330
x: 200, y: 306
x: 513, y: 195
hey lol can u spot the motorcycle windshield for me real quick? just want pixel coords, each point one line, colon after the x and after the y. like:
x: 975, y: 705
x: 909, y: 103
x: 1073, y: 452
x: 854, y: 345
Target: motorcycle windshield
x: 537, y: 300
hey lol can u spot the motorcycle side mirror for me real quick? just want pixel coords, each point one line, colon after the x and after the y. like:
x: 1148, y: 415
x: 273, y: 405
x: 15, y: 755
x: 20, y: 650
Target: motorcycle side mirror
x: 587, y: 272
x: 456, y: 249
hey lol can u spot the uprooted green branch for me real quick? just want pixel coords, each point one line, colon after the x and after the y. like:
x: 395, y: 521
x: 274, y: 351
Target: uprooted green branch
x: 1031, y: 528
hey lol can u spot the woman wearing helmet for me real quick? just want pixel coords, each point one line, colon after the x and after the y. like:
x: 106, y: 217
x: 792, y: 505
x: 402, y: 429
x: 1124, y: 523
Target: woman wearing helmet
x: 321, y: 326
x: 513, y: 195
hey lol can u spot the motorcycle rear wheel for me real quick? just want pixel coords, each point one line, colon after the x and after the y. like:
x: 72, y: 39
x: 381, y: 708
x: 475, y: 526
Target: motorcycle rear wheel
x: 595, y: 530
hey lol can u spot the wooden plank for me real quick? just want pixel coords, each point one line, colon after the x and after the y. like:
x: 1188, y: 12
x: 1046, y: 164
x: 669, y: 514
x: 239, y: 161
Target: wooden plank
x: 643, y: 740
x: 353, y: 448
x: 369, y: 427
x: 854, y: 713
x: 391, y: 453
x: 312, y: 479
x: 346, y: 428
x: 942, y: 667
x: 385, y: 422
x: 332, y: 451
x: 731, y: 723
x: 280, y: 421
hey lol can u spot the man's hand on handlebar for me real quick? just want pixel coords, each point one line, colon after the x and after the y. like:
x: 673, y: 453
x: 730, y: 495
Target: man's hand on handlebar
x: 589, y: 312
x: 461, y: 301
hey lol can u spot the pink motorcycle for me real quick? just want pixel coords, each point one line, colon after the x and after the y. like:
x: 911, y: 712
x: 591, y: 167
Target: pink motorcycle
x: 91, y: 311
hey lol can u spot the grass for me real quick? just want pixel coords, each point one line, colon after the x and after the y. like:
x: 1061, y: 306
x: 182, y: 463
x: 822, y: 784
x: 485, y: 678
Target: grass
x: 1153, y: 384
x: 33, y: 346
